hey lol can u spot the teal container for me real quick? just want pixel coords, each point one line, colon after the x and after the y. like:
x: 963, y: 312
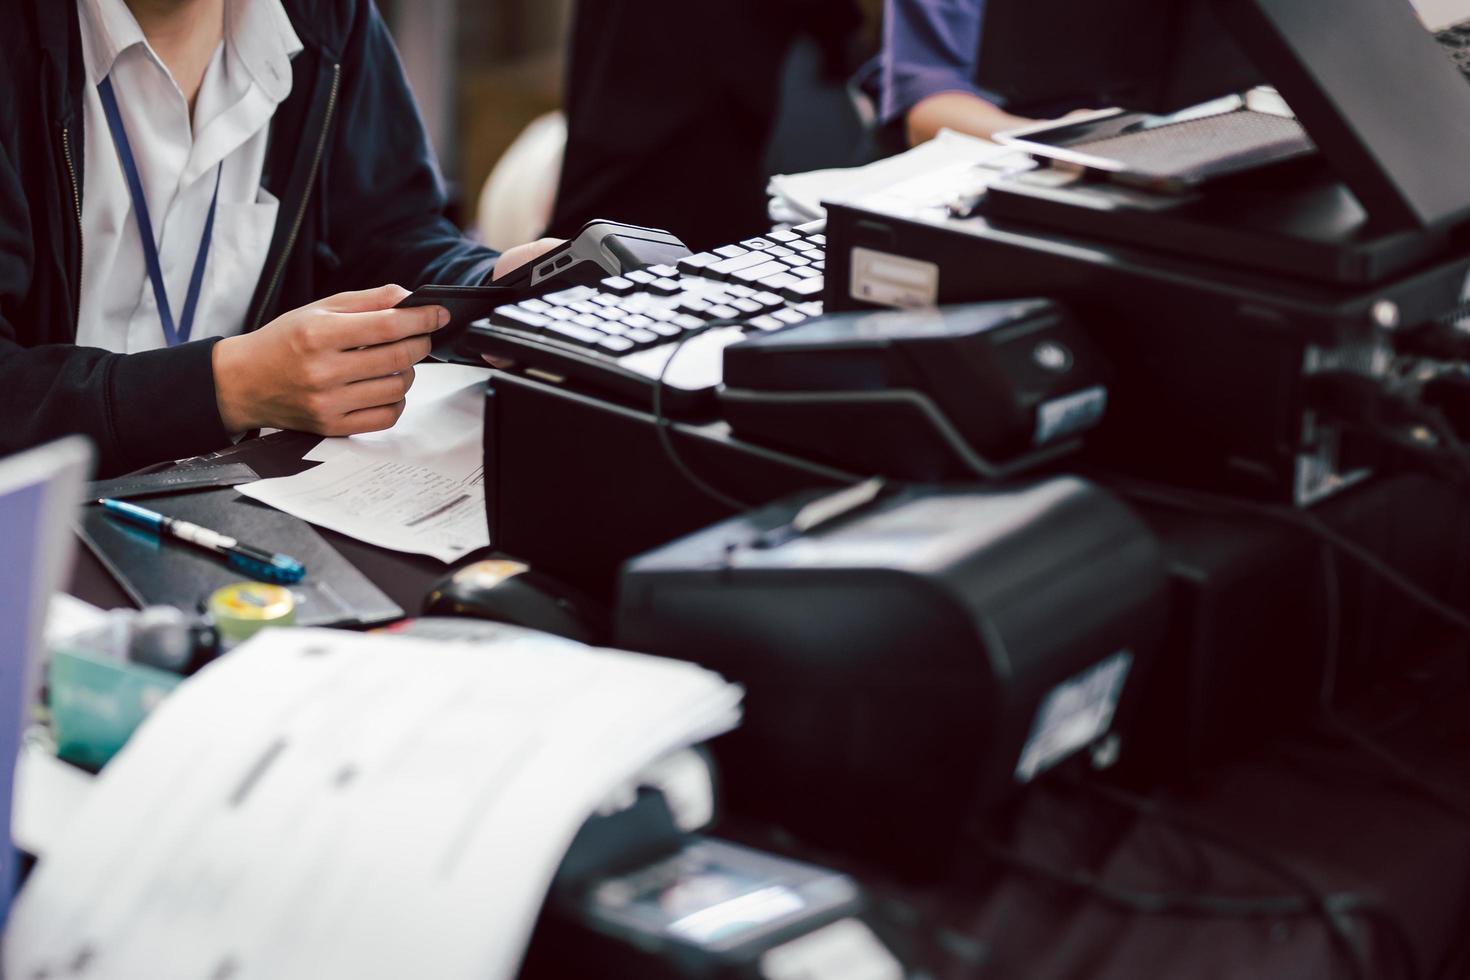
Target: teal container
x: 98, y: 702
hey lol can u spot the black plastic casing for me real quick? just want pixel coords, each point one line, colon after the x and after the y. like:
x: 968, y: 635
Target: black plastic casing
x: 895, y: 661
x: 830, y: 388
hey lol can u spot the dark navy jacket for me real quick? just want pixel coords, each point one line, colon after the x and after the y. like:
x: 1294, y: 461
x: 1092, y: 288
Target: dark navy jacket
x: 362, y: 204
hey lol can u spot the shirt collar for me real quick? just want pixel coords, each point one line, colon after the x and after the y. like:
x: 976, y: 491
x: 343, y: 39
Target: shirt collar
x: 110, y: 29
x: 258, y: 32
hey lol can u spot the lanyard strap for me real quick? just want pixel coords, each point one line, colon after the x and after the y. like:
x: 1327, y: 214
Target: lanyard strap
x: 171, y: 335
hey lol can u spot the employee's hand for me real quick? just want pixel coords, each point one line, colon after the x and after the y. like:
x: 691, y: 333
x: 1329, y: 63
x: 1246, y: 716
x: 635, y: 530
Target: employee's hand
x: 513, y: 258
x: 962, y: 112
x: 337, y: 367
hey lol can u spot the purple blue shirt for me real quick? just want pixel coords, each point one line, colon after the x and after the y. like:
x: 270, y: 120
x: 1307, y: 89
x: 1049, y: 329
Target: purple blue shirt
x: 929, y: 47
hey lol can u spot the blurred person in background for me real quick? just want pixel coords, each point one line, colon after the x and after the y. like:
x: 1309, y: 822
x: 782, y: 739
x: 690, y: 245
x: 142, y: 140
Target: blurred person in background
x: 671, y: 107
x: 924, y: 79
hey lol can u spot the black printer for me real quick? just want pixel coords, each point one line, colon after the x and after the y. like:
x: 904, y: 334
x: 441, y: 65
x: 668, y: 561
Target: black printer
x: 978, y: 391
x: 911, y: 655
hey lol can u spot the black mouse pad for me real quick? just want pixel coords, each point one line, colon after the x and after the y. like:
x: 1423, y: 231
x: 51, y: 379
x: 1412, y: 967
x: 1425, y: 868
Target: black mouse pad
x: 157, y: 570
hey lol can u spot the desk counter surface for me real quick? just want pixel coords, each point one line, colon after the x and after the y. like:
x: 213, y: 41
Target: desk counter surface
x: 405, y: 578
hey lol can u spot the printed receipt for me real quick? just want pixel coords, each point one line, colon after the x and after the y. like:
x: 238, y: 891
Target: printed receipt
x: 418, y: 487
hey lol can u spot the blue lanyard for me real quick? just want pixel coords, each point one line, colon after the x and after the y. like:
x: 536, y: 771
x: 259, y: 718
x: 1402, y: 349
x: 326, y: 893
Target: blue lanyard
x: 173, y: 336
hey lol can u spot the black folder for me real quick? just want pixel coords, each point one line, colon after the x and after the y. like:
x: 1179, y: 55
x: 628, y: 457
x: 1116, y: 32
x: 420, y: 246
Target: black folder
x: 157, y: 570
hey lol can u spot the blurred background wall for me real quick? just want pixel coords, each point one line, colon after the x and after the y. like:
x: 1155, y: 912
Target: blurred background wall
x: 481, y: 70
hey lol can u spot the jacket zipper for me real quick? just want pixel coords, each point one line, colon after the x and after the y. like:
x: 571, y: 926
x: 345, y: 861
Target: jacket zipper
x: 76, y: 197
x: 321, y: 146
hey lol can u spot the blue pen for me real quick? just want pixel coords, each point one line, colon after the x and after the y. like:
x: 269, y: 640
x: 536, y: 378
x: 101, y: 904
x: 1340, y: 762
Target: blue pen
x: 252, y: 561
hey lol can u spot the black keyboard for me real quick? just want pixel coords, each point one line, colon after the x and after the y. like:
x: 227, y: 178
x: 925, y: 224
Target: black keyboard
x: 617, y: 337
x: 1456, y: 42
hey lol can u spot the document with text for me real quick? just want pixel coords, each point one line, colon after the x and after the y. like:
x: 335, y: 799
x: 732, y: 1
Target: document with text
x: 418, y: 487
x: 330, y: 804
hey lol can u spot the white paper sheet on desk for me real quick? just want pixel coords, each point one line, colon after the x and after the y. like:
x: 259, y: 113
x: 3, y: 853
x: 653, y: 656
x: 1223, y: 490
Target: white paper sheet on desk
x: 803, y: 194
x: 418, y: 487
x: 322, y: 804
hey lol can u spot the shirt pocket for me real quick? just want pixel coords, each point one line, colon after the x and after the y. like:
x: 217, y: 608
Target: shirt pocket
x: 242, y: 239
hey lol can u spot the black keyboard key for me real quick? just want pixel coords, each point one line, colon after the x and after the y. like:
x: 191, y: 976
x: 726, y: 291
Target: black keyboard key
x: 730, y: 267
x: 700, y: 260
x: 567, y: 297
x: 511, y: 316
x: 571, y: 333
x: 809, y: 289
x: 616, y: 345
x: 777, y: 284
x: 759, y: 272
x: 618, y: 285
x: 730, y: 251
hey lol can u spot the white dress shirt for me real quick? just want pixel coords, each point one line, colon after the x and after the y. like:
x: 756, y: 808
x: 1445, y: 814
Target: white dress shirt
x: 248, y: 77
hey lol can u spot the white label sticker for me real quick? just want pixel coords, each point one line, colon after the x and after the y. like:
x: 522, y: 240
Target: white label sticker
x: 1075, y: 714
x: 1070, y: 413
x: 893, y: 280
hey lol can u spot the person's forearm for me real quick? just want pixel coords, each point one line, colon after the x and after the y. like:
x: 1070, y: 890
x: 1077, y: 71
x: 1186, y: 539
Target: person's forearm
x: 961, y: 112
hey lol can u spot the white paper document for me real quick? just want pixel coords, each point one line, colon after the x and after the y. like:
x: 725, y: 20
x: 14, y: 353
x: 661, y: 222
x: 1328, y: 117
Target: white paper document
x: 418, y: 487
x: 321, y: 804
x: 937, y: 163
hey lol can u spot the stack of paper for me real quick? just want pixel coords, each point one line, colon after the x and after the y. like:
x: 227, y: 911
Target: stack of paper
x: 327, y: 804
x: 418, y: 487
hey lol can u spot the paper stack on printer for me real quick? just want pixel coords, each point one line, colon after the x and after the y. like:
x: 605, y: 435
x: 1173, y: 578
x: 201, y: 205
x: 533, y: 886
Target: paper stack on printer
x: 327, y: 804
x: 948, y: 169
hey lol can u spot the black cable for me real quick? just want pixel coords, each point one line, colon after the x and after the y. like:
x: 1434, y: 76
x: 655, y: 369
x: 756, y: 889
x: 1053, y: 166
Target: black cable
x: 1401, y: 771
x: 1204, y: 503
x: 661, y: 425
x: 1335, y: 909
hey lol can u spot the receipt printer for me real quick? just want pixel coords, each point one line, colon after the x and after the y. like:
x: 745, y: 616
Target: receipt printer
x: 979, y: 391
x: 909, y: 655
